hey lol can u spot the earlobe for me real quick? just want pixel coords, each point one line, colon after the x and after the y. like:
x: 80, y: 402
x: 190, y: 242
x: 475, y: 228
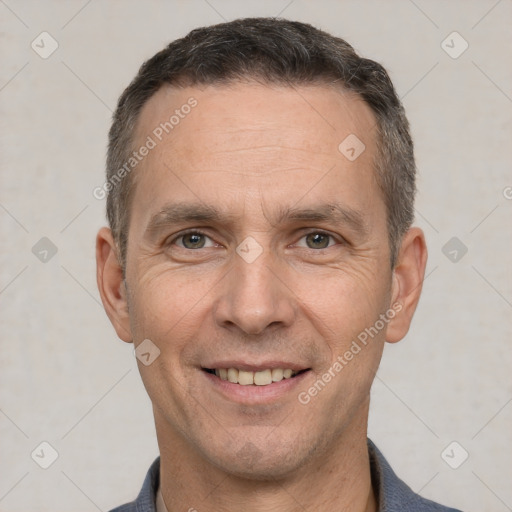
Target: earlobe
x: 109, y: 276
x: 407, y: 283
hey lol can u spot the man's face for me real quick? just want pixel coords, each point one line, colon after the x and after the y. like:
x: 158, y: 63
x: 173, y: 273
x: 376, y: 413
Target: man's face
x: 256, y: 245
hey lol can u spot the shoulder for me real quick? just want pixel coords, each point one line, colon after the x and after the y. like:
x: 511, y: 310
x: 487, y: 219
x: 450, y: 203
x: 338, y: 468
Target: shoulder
x: 394, y: 495
x: 128, y: 507
x: 145, y: 501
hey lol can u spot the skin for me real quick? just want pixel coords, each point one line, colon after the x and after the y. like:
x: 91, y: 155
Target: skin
x: 251, y: 151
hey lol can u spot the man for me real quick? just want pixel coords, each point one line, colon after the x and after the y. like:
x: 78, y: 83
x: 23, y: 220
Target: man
x: 260, y: 181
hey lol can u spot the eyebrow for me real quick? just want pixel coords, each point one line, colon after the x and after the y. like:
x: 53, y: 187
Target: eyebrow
x: 328, y: 212
x: 181, y: 213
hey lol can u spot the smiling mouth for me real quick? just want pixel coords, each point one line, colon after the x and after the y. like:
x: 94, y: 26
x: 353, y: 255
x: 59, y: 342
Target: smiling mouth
x: 248, y: 378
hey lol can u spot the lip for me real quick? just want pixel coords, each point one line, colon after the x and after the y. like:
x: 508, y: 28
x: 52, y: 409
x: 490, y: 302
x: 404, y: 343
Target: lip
x: 254, y: 395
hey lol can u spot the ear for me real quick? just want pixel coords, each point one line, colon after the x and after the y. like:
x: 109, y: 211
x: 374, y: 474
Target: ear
x: 109, y: 276
x: 408, y: 276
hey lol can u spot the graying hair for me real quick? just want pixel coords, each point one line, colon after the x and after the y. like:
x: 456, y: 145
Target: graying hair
x: 273, y: 51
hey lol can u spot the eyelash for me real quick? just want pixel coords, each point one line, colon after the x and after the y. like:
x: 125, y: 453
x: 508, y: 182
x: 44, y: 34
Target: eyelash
x: 202, y: 233
x: 185, y: 233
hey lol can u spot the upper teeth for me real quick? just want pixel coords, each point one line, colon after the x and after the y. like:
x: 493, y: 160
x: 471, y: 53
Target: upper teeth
x: 262, y: 378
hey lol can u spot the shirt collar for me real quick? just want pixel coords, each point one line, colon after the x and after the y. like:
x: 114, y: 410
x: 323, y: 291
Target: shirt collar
x: 393, y: 494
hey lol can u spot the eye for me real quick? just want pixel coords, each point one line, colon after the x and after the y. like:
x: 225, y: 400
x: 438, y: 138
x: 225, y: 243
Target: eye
x: 193, y: 240
x: 318, y: 240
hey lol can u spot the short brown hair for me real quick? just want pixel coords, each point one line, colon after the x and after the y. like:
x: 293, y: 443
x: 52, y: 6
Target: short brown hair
x: 270, y: 50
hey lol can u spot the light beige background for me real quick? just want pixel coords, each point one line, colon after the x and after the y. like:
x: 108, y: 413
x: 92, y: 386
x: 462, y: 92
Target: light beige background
x: 64, y: 376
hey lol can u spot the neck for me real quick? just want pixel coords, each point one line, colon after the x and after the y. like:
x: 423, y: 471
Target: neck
x: 337, y: 479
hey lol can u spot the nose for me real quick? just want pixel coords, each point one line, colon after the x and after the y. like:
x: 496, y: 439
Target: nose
x: 254, y: 297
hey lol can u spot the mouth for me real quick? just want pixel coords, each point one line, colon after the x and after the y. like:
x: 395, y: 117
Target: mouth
x: 264, y: 377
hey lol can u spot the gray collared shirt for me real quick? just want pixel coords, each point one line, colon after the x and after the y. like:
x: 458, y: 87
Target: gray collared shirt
x: 393, y: 494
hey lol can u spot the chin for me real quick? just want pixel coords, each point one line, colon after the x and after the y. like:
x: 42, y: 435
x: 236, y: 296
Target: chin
x: 262, y: 463
x: 261, y: 470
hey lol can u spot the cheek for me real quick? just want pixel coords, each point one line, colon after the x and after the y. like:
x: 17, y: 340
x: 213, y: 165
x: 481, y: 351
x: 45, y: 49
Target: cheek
x: 345, y: 315
x: 341, y: 304
x: 168, y: 308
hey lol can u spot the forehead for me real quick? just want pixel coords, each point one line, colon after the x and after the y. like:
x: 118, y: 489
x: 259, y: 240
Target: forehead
x: 318, y: 112
x: 243, y: 137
